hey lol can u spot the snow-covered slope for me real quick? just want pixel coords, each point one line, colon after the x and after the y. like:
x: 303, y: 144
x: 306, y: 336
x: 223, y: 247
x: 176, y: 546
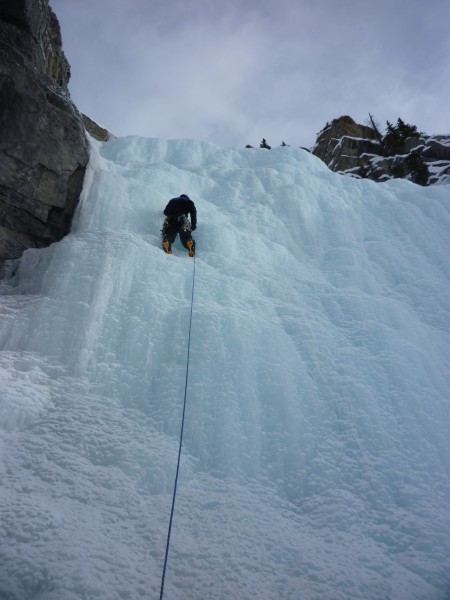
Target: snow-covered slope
x: 316, y: 455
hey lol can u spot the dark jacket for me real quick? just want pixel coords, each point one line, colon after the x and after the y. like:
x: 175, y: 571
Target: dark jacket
x: 181, y: 206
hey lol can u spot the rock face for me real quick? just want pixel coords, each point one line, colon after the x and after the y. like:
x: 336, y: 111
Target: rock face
x: 43, y: 146
x: 357, y: 150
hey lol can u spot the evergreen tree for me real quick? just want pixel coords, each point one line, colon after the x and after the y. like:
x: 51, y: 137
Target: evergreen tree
x: 396, y: 136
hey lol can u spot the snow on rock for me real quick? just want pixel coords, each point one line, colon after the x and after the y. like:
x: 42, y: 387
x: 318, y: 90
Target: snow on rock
x: 316, y: 454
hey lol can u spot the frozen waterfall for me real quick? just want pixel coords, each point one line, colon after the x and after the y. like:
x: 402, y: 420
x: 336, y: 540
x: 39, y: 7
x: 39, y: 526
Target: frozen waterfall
x: 316, y: 456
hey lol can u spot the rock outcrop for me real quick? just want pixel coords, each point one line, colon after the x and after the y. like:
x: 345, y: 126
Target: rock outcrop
x: 357, y: 150
x: 341, y: 143
x: 96, y: 131
x: 43, y: 145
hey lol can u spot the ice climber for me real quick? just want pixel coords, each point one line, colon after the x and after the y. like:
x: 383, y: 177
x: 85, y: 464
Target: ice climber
x: 178, y: 223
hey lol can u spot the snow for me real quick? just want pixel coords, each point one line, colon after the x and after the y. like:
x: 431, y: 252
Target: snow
x: 316, y: 455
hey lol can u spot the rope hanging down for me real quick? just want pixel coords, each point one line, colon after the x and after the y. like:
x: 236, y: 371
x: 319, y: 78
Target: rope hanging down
x: 181, y: 442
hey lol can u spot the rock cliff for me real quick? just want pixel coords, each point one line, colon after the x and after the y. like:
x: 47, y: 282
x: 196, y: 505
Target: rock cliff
x: 358, y: 150
x: 43, y: 146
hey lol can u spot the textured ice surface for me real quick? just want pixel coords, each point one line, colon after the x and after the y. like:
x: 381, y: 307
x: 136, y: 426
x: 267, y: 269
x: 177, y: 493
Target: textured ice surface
x: 316, y: 455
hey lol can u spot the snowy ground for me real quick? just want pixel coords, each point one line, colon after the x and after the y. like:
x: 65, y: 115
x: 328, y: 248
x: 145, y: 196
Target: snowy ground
x: 316, y: 457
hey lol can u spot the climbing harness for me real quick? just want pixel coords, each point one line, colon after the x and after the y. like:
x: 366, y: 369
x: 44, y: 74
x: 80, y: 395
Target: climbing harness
x: 181, y: 442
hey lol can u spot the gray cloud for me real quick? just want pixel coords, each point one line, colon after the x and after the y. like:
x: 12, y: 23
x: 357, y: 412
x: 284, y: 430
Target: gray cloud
x: 235, y: 72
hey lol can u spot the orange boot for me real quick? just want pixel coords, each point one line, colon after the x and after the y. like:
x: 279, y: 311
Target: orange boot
x: 191, y: 248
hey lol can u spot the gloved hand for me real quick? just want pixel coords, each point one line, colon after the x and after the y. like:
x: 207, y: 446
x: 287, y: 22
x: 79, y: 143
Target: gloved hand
x: 193, y: 227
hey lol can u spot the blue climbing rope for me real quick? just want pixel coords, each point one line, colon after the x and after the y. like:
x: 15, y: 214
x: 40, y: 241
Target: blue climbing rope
x: 181, y: 442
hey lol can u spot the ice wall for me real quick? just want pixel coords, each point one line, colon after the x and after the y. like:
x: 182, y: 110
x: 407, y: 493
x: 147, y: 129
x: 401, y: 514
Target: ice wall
x: 316, y: 455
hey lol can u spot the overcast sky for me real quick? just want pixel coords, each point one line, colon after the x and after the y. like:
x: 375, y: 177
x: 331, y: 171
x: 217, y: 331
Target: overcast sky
x: 235, y: 71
